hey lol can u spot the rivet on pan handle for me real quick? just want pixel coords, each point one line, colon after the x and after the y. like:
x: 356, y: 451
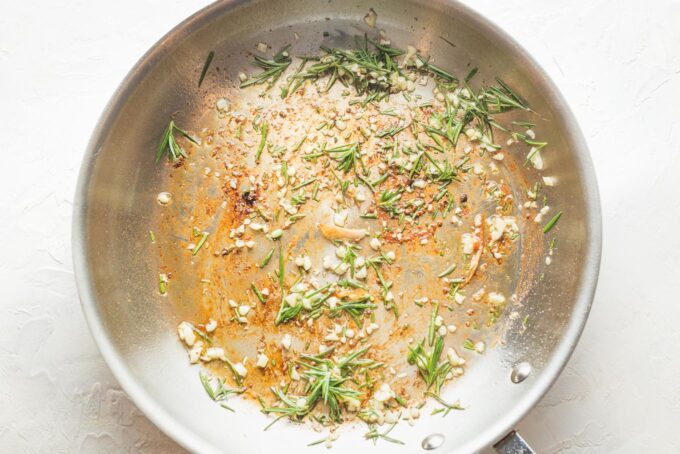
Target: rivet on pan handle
x: 513, y: 443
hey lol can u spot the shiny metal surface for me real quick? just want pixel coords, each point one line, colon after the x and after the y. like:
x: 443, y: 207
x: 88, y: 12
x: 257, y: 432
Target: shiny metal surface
x: 513, y: 443
x: 520, y: 372
x: 119, y: 181
x: 432, y: 442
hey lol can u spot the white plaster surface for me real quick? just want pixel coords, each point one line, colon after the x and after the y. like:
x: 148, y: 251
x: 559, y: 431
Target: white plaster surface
x: 616, y: 62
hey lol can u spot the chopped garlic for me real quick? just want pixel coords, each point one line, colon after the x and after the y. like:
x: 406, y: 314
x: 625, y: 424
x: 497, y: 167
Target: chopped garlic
x: 384, y: 393
x: 391, y: 417
x: 372, y: 327
x: 307, y: 304
x: 453, y: 357
x: 186, y: 333
x: 210, y: 326
x: 328, y: 262
x: 341, y: 269
x: 340, y: 217
x: 222, y: 105
x: 420, y: 184
x: 536, y: 159
x: 164, y: 198
x: 495, y: 298
x: 240, y: 370
x: 497, y: 227
x: 375, y: 244
x: 195, y: 352
x: 213, y: 353
x: 479, y: 294
x: 468, y: 243
x: 262, y: 361
x: 292, y: 299
x: 550, y: 181
x: 341, y: 251
x: 300, y: 287
x: 287, y: 341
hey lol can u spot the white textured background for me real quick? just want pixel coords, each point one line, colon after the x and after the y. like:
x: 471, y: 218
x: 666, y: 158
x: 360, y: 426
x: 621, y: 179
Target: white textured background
x: 617, y: 63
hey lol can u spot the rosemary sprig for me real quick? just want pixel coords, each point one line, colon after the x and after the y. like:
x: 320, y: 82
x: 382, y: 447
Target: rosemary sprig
x: 469, y: 345
x: 257, y: 293
x: 471, y: 74
x: 267, y: 258
x: 551, y: 223
x: 432, y: 329
x: 200, y: 243
x: 535, y: 148
x: 163, y: 283
x: 326, y: 382
x: 264, y: 129
x: 502, y: 98
x: 355, y: 309
x: 449, y: 269
x: 345, y: 155
x: 374, y: 435
x: 392, y: 130
x: 271, y: 69
x: 435, y: 70
x: 281, y: 316
x: 351, y: 283
x: 388, y: 201
x: 220, y: 392
x: 169, y: 144
x: 206, y: 66
x: 447, y: 406
x: 304, y: 183
x: 431, y: 370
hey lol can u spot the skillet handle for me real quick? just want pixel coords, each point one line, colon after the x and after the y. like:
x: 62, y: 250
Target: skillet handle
x: 513, y: 443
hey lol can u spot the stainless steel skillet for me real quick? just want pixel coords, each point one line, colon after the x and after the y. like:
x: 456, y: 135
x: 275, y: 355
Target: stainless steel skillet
x: 118, y: 184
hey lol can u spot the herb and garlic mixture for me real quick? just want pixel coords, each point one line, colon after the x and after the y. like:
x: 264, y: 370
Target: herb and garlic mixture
x: 352, y: 230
